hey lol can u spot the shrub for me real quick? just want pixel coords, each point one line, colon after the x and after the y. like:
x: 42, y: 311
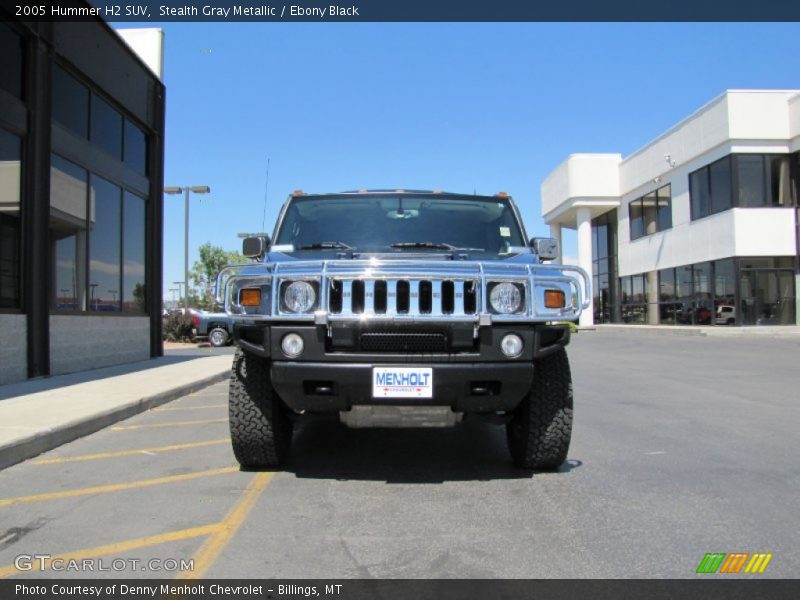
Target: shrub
x: 178, y: 328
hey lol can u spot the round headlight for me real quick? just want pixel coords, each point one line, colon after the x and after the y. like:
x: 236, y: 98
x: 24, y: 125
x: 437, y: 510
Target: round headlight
x: 299, y: 297
x: 511, y: 345
x: 505, y: 298
x: 292, y: 345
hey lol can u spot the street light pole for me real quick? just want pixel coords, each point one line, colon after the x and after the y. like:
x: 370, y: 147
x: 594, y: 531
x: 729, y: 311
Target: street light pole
x: 197, y: 189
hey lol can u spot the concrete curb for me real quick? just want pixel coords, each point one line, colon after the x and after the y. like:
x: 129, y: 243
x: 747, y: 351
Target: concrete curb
x: 43, y: 441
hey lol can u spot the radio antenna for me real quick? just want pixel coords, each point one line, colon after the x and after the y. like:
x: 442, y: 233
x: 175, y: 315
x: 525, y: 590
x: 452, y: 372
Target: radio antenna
x: 266, y: 191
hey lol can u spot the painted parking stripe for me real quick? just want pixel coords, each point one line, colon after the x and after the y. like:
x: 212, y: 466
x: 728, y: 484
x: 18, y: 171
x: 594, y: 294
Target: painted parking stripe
x: 119, y: 453
x: 182, y: 408
x: 116, y: 487
x: 215, y: 544
x: 117, y: 548
x: 167, y: 424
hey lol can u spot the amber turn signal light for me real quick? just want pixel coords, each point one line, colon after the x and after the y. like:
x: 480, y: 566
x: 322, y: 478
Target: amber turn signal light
x: 554, y: 299
x: 250, y: 297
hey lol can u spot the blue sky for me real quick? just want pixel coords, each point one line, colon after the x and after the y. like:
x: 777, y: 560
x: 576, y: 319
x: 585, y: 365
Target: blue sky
x: 460, y: 107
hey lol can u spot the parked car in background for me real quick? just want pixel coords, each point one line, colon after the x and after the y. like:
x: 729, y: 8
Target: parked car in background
x: 216, y: 327
x: 726, y: 314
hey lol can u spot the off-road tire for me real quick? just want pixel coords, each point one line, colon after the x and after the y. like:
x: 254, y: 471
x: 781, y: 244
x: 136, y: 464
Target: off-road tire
x: 261, y: 431
x: 218, y: 337
x: 540, y: 429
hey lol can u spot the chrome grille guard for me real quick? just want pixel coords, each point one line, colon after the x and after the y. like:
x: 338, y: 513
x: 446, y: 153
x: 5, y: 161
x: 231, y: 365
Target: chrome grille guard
x: 350, y: 290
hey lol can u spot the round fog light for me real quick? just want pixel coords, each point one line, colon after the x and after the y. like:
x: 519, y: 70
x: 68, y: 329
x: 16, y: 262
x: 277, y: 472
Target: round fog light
x: 292, y: 345
x: 511, y: 345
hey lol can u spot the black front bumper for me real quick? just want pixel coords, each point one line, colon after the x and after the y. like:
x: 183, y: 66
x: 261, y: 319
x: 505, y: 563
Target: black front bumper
x: 467, y: 387
x: 332, y: 375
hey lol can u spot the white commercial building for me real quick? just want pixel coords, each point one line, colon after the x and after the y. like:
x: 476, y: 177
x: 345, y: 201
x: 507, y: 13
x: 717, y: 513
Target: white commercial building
x: 700, y: 226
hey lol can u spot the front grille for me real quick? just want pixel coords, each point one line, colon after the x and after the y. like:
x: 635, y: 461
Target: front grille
x: 410, y: 297
x: 386, y: 341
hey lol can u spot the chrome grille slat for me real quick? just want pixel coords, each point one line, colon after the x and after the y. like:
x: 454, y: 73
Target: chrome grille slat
x: 458, y: 300
x: 369, y: 297
x: 391, y: 297
x: 347, y: 296
x: 436, y: 298
x: 403, y: 296
x: 413, y: 297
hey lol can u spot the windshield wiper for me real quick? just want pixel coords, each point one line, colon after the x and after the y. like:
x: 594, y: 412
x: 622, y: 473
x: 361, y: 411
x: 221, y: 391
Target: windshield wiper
x: 433, y: 245
x: 327, y: 246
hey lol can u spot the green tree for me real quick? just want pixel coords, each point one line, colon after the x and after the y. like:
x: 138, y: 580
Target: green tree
x: 205, y: 271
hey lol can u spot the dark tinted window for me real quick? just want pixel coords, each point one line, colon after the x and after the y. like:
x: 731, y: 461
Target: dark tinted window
x: 70, y: 102
x: 725, y: 291
x: 778, y: 181
x: 649, y: 213
x: 666, y: 285
x: 703, y: 299
x: 698, y: 193
x: 133, y: 299
x: 664, y: 207
x: 10, y: 169
x: 637, y: 219
x: 625, y: 289
x: 487, y: 226
x: 104, y: 246
x: 720, y: 176
x: 106, y: 127
x: 135, y: 147
x: 68, y: 194
x: 11, y: 55
x: 751, y: 180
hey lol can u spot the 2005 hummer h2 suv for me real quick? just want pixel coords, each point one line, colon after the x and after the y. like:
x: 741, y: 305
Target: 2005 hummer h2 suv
x: 401, y: 308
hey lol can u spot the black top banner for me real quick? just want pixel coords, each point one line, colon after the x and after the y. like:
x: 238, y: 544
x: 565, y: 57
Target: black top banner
x: 143, y: 11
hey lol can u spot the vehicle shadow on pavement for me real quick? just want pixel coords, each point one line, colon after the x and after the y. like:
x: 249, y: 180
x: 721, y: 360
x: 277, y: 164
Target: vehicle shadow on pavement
x: 471, y: 451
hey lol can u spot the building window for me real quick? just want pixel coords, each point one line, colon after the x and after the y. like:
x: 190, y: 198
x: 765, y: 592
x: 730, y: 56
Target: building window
x: 778, y: 172
x: 106, y: 127
x: 133, y: 254
x: 12, y: 53
x: 743, y: 181
x: 651, y: 213
x: 719, y: 177
x: 105, y: 246
x: 604, y: 259
x: 10, y: 197
x: 634, y: 298
x: 113, y: 250
x: 699, y: 193
x: 68, y: 194
x: 703, y: 297
x: 135, y: 155
x: 668, y: 305
x: 70, y: 102
x: 725, y: 292
x: 664, y: 207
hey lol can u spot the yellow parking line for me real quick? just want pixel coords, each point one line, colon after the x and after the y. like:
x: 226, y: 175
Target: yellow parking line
x: 180, y: 408
x: 100, y: 455
x: 116, y: 487
x: 168, y: 424
x: 116, y: 548
x: 212, y: 547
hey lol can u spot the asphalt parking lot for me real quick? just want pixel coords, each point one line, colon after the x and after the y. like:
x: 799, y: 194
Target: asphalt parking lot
x: 681, y: 446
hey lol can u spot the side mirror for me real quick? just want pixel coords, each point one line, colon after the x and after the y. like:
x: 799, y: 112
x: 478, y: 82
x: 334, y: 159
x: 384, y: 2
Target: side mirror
x: 255, y: 246
x: 545, y: 248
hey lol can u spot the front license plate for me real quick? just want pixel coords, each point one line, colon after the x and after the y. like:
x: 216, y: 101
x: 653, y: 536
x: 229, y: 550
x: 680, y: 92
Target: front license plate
x: 402, y: 382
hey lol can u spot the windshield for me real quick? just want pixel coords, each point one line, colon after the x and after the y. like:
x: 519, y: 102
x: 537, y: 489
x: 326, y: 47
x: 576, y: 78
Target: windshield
x: 482, y: 226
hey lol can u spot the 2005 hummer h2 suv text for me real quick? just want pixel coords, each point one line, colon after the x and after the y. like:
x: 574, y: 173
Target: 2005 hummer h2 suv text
x: 401, y: 308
